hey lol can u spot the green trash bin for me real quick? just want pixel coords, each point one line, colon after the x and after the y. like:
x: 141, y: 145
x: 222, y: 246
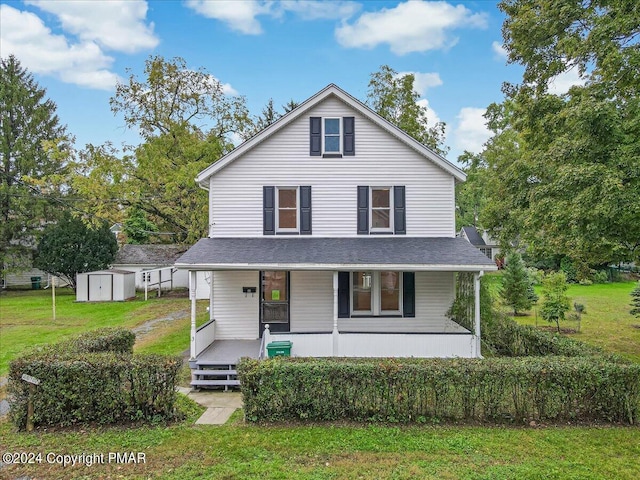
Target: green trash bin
x: 36, y: 283
x: 279, y: 349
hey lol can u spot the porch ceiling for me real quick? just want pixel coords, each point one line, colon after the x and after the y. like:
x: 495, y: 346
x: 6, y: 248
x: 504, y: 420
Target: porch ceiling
x: 312, y: 253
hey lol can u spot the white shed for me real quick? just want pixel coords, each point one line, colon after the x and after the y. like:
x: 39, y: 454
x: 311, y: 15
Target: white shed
x: 105, y: 286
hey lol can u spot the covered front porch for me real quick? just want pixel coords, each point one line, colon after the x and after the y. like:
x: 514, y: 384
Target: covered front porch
x: 319, y: 308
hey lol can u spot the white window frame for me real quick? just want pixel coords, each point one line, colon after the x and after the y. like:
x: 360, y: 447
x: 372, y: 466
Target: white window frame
x: 324, y: 136
x: 376, y: 296
x: 390, y: 228
x: 277, y: 210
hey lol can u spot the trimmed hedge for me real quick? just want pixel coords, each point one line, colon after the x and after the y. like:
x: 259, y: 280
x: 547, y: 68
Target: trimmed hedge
x: 82, y: 381
x: 494, y: 390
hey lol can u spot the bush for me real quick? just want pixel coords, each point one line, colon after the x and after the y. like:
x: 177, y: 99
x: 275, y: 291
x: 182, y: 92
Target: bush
x: 419, y: 390
x: 601, y: 276
x: 94, y: 378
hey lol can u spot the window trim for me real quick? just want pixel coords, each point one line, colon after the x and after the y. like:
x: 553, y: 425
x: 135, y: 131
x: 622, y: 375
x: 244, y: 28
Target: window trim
x: 278, y: 229
x: 376, y: 296
x: 390, y: 228
x: 339, y: 135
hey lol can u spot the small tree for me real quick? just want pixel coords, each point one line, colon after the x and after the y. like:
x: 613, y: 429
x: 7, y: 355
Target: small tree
x: 635, y: 301
x: 555, y: 303
x: 517, y: 288
x: 70, y: 247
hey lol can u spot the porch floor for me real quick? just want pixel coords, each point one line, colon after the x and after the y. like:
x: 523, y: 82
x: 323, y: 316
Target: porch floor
x: 229, y: 352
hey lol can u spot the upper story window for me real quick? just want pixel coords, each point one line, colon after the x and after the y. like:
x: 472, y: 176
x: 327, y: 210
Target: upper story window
x: 287, y: 209
x: 332, y: 137
x: 381, y: 210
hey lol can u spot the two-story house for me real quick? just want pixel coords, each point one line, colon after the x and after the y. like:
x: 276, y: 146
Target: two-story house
x: 333, y: 229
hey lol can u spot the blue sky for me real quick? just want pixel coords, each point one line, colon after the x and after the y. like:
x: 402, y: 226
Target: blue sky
x: 285, y: 50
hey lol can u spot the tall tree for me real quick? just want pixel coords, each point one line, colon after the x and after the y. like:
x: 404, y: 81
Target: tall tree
x: 394, y: 98
x: 566, y: 168
x: 268, y: 116
x: 517, y: 288
x: 70, y: 246
x: 28, y: 124
x: 187, y: 122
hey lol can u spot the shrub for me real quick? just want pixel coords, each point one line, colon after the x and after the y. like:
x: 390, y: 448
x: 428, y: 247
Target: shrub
x: 94, y: 378
x: 418, y: 390
x: 635, y: 301
x: 601, y: 276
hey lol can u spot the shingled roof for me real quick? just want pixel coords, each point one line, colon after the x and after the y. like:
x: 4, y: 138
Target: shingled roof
x: 453, y: 254
x: 155, y: 255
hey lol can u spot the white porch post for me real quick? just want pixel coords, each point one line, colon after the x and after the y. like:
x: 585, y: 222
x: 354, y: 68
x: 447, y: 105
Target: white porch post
x: 192, y: 295
x: 336, y: 337
x: 476, y: 320
x: 211, y: 315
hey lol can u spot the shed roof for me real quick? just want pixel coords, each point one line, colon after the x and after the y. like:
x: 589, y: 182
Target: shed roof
x: 402, y: 253
x: 473, y: 236
x: 149, y: 254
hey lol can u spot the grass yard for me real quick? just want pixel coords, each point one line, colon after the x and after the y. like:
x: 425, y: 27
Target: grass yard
x: 240, y: 451
x: 607, y: 323
x: 26, y: 320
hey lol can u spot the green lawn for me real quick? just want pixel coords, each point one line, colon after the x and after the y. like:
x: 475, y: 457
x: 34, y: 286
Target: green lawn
x: 26, y: 320
x: 607, y: 323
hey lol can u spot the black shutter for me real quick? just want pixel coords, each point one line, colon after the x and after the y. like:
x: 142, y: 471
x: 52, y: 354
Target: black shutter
x: 269, y: 212
x: 363, y: 210
x: 399, y: 211
x: 348, y: 137
x: 343, y: 295
x: 305, y: 210
x: 408, y: 294
x: 315, y: 137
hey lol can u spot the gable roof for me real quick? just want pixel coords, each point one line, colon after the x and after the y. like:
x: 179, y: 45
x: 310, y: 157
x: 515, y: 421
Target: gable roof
x: 148, y: 254
x: 329, y: 90
x: 473, y: 236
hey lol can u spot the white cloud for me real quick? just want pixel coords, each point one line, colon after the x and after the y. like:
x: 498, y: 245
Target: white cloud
x: 423, y: 81
x: 563, y: 82
x: 115, y: 25
x: 432, y: 116
x: 471, y: 131
x: 25, y: 35
x: 499, y: 50
x: 414, y: 26
x: 242, y: 15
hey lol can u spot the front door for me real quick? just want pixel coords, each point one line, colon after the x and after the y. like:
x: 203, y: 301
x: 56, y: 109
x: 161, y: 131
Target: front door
x: 274, y: 300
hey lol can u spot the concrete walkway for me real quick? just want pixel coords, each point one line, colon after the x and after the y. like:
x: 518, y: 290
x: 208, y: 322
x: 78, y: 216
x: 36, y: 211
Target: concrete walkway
x: 220, y: 405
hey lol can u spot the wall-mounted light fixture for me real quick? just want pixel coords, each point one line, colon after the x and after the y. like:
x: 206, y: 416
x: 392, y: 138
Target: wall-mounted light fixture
x: 247, y: 290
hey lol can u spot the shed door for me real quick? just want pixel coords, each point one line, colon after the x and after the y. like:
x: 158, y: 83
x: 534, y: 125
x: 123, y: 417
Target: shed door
x: 100, y: 288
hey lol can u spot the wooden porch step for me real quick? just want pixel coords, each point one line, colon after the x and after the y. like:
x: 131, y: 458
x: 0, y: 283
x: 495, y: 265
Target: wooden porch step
x: 214, y: 372
x: 215, y: 383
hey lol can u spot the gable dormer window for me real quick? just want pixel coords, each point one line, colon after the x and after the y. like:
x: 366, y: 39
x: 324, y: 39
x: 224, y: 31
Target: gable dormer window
x: 332, y: 137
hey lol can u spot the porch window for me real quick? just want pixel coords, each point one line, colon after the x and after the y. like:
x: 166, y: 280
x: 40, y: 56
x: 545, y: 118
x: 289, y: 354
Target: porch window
x: 376, y: 293
x: 287, y: 209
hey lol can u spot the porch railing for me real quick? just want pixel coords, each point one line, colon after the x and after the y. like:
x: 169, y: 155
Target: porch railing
x: 205, y: 335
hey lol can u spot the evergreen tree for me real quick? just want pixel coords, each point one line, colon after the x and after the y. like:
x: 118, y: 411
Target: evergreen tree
x: 517, y: 287
x: 635, y: 301
x: 70, y: 247
x: 28, y: 124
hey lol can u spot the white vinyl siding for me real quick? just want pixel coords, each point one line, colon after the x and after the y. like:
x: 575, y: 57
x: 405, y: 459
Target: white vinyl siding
x: 235, y: 312
x: 311, y: 301
x: 283, y: 159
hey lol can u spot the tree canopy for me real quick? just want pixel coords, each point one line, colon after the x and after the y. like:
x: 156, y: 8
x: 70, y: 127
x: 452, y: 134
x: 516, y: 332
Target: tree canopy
x: 70, y: 246
x: 29, y: 127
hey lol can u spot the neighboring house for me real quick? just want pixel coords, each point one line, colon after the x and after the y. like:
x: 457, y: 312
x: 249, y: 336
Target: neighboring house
x: 335, y: 230
x: 154, y: 264
x: 487, y: 245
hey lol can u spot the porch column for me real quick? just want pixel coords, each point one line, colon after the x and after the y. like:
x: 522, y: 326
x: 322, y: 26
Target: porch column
x: 211, y: 315
x: 192, y: 295
x: 476, y: 319
x: 335, y: 314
